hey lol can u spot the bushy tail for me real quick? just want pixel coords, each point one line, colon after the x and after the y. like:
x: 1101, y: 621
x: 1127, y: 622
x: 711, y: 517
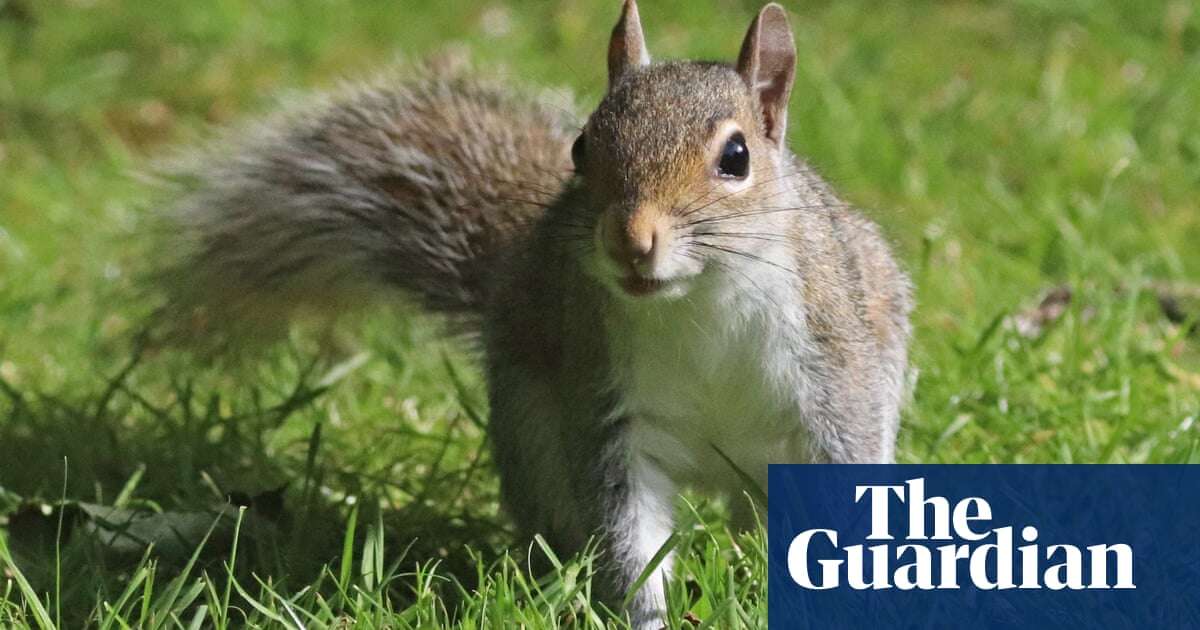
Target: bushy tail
x: 408, y: 185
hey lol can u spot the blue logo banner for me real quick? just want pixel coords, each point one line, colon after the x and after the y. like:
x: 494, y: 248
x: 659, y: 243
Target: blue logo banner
x: 984, y: 546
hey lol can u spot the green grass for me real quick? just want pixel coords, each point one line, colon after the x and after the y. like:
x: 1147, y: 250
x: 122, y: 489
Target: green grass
x: 1006, y: 148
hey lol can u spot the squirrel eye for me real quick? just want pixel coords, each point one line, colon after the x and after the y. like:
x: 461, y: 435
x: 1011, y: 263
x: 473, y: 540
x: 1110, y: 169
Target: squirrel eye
x: 735, y: 158
x: 577, y: 150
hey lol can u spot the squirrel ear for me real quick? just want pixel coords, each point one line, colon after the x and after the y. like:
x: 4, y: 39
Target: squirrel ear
x: 767, y: 64
x: 627, y: 48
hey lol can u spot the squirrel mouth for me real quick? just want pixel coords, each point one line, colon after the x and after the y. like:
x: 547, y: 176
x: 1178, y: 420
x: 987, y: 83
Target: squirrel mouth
x: 639, y: 286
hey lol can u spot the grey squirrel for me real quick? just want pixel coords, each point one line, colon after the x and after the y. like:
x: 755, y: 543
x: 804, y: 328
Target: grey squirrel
x: 668, y: 298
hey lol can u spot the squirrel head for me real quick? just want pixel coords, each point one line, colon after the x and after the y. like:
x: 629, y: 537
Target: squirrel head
x: 678, y: 156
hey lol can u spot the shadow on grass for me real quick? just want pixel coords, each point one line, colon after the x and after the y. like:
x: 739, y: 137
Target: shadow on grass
x: 148, y: 465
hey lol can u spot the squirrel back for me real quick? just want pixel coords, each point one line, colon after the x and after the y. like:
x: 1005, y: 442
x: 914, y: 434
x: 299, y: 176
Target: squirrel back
x: 410, y: 184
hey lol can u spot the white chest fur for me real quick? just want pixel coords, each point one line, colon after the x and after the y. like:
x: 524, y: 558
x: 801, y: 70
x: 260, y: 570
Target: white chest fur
x: 716, y: 369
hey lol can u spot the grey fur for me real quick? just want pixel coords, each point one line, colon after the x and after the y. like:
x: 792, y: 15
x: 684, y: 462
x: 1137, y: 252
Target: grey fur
x: 412, y: 183
x: 458, y: 192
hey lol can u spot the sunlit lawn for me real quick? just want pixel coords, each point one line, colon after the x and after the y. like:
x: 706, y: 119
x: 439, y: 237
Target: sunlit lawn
x: 1007, y: 149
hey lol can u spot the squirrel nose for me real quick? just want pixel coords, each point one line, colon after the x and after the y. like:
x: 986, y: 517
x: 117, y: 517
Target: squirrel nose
x: 640, y: 245
x: 637, y: 241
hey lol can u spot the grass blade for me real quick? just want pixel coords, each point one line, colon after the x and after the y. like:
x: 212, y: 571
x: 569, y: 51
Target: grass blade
x: 40, y: 614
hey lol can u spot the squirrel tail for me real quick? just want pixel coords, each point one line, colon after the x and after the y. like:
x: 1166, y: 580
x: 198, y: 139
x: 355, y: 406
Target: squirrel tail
x: 403, y: 186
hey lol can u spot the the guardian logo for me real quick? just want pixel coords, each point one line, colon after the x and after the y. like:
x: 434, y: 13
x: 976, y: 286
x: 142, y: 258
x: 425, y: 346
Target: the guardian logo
x: 976, y: 554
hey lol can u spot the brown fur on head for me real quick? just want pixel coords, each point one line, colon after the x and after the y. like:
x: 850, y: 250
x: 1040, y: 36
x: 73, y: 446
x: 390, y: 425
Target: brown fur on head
x: 651, y: 155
